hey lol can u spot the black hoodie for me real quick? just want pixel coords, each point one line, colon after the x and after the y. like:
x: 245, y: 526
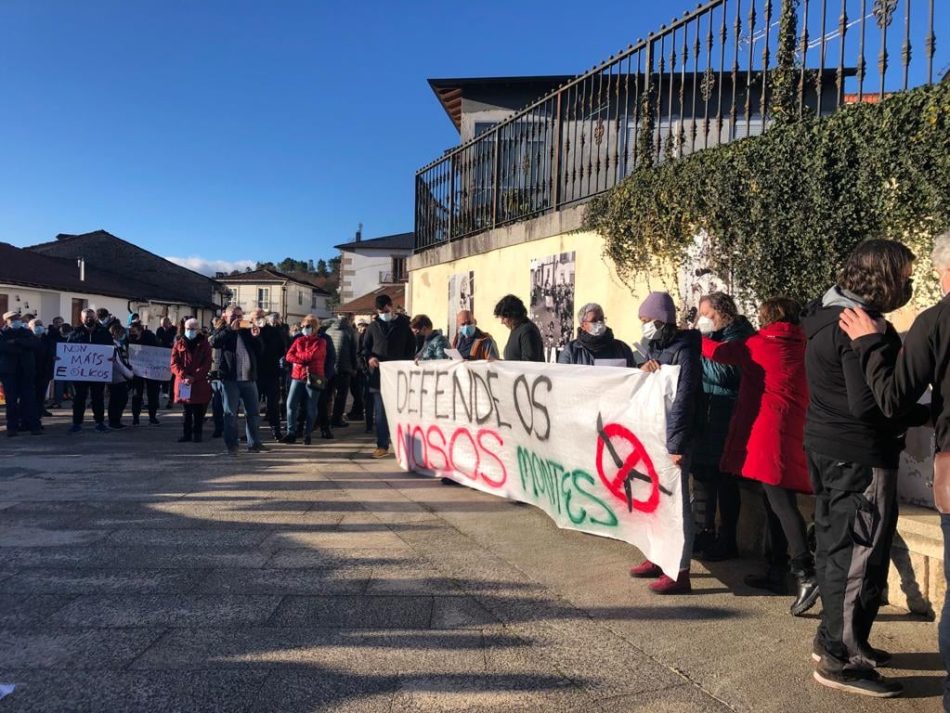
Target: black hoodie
x: 844, y: 420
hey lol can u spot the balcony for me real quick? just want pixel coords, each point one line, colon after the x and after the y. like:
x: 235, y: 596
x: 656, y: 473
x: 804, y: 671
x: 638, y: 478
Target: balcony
x: 388, y: 277
x: 722, y: 72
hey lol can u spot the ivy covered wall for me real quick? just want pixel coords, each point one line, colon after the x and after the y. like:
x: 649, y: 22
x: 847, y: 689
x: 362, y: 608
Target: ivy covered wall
x: 783, y: 209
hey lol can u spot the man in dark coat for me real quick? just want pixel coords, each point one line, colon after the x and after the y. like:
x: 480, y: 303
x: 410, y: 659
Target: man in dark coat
x: 89, y: 332
x: 524, y: 342
x: 142, y: 387
x: 273, y: 349
x: 595, y: 341
x: 18, y: 348
x: 45, y: 361
x: 165, y: 336
x: 388, y: 338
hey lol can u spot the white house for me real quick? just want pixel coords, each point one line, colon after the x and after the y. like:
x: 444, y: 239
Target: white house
x: 367, y: 265
x: 293, y: 297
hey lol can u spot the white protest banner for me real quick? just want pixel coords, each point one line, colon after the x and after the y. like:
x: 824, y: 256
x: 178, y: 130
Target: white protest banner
x: 585, y: 444
x: 150, y: 362
x: 83, y: 362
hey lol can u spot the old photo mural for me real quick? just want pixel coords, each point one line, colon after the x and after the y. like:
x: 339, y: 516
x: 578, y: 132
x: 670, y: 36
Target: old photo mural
x: 552, y: 301
x: 461, y: 296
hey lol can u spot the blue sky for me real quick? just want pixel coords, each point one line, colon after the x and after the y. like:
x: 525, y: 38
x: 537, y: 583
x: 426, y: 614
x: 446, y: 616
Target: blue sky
x: 255, y: 130
x: 238, y: 130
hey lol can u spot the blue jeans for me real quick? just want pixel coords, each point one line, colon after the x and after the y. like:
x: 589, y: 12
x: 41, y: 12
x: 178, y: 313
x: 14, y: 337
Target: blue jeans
x: 300, y: 390
x: 382, y: 425
x: 235, y: 392
x: 21, y: 403
x: 943, y: 631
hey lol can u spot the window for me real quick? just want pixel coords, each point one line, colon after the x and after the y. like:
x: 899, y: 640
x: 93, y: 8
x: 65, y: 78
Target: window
x: 399, y: 269
x: 313, y: 300
x: 263, y: 298
x: 300, y: 297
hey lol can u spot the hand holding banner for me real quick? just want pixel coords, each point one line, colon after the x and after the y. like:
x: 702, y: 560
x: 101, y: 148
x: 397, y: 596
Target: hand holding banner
x: 585, y: 444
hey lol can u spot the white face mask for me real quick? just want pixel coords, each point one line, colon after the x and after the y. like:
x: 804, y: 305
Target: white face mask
x: 306, y: 331
x: 261, y: 322
x: 705, y: 325
x: 386, y: 316
x: 596, y: 328
x: 649, y: 331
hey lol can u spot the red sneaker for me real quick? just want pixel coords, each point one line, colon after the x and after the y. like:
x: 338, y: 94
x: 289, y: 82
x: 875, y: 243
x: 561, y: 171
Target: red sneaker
x: 680, y: 585
x: 645, y: 569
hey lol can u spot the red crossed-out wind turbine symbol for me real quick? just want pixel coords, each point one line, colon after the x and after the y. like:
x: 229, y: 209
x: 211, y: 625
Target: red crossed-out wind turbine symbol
x: 636, y: 466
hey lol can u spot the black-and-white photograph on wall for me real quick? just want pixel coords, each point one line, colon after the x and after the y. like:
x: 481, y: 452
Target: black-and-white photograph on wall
x: 552, y: 301
x: 461, y: 296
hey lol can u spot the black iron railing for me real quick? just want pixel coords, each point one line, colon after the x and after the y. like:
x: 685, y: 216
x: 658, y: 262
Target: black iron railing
x: 724, y: 71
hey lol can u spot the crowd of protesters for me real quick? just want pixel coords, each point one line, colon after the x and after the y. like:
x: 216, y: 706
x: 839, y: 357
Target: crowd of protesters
x: 817, y: 400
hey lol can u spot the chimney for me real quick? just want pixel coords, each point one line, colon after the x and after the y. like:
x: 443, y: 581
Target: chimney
x: 82, y: 269
x: 359, y: 233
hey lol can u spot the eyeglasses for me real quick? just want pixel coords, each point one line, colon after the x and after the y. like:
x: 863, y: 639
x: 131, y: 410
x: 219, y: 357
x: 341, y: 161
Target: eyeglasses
x: 469, y: 323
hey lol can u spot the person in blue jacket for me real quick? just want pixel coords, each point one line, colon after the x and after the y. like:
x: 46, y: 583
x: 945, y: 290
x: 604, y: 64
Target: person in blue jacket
x: 666, y: 344
x: 720, y: 321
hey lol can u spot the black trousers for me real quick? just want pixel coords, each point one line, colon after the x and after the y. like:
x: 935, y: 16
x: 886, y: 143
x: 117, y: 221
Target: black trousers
x: 269, y: 389
x: 194, y: 419
x: 341, y: 389
x: 96, y: 394
x: 854, y: 530
x: 324, y: 402
x: 714, y: 489
x: 787, y: 530
x: 145, y: 388
x: 118, y: 400
x: 357, y: 386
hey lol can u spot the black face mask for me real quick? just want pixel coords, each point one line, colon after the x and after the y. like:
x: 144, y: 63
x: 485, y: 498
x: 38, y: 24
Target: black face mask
x: 906, y: 294
x: 90, y: 323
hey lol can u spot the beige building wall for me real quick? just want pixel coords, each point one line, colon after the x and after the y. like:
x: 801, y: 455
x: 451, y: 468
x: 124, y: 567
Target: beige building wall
x: 508, y: 270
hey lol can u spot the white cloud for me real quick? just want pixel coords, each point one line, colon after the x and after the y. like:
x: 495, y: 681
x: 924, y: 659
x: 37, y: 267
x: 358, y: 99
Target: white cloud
x: 209, y: 267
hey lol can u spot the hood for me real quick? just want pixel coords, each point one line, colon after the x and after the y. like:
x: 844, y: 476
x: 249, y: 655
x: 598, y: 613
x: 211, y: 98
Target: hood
x: 784, y: 331
x: 823, y: 313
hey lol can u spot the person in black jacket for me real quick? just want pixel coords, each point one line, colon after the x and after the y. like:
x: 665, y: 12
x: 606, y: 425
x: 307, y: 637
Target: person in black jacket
x: 853, y: 453
x: 142, y: 387
x: 45, y: 361
x: 18, y: 348
x: 273, y: 348
x: 666, y: 344
x: 89, y: 332
x: 165, y: 336
x: 525, y: 342
x: 899, y: 376
x: 595, y: 340
x: 240, y: 347
x: 388, y: 338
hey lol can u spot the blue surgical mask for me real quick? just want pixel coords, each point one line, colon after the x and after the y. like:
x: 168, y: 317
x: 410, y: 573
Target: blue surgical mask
x: 306, y: 331
x: 191, y: 333
x: 39, y: 330
x: 17, y: 324
x: 386, y: 316
x: 467, y: 330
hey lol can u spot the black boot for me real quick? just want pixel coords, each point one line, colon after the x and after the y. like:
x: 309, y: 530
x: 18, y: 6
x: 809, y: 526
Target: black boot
x: 326, y: 433
x: 774, y: 580
x: 724, y: 548
x: 197, y: 435
x: 702, y: 541
x: 806, y: 597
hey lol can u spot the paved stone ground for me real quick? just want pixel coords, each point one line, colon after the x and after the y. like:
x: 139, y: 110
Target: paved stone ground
x: 137, y: 574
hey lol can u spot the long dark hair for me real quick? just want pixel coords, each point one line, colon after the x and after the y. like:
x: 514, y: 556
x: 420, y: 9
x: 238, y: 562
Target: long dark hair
x: 874, y: 271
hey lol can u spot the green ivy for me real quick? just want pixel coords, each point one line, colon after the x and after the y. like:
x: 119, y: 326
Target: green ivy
x: 783, y: 209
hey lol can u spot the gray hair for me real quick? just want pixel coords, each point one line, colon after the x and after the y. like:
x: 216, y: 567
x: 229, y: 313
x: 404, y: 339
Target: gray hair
x: 589, y: 307
x: 941, y: 251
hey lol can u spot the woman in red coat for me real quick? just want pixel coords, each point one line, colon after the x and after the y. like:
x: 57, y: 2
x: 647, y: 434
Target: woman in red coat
x: 190, y: 364
x: 308, y: 355
x: 766, y: 436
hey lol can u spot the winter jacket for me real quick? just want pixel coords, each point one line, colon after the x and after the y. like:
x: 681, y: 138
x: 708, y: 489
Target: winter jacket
x: 587, y: 349
x: 45, y: 356
x: 121, y: 367
x: 225, y: 339
x: 98, y: 335
x: 844, y: 421
x: 165, y: 337
x: 308, y: 355
x: 482, y: 346
x: 434, y: 347
x: 684, y: 420
x: 343, y: 337
x: 18, y: 349
x: 147, y: 339
x: 191, y: 359
x: 721, y: 387
x: 388, y: 341
x: 898, y: 377
x: 766, y: 434
x: 273, y: 348
x: 525, y: 343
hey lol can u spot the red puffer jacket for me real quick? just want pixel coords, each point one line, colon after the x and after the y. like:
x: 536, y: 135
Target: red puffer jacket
x: 767, y: 432
x: 308, y: 355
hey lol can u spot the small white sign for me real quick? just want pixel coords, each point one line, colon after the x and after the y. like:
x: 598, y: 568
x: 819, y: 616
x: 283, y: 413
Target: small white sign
x: 454, y: 355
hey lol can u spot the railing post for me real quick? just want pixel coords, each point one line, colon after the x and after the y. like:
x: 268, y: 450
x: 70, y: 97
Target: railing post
x: 783, y: 84
x: 494, y: 178
x: 556, y: 159
x: 451, y: 196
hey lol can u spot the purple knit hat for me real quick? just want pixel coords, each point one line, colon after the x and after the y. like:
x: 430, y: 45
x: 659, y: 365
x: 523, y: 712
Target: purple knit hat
x: 658, y: 307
